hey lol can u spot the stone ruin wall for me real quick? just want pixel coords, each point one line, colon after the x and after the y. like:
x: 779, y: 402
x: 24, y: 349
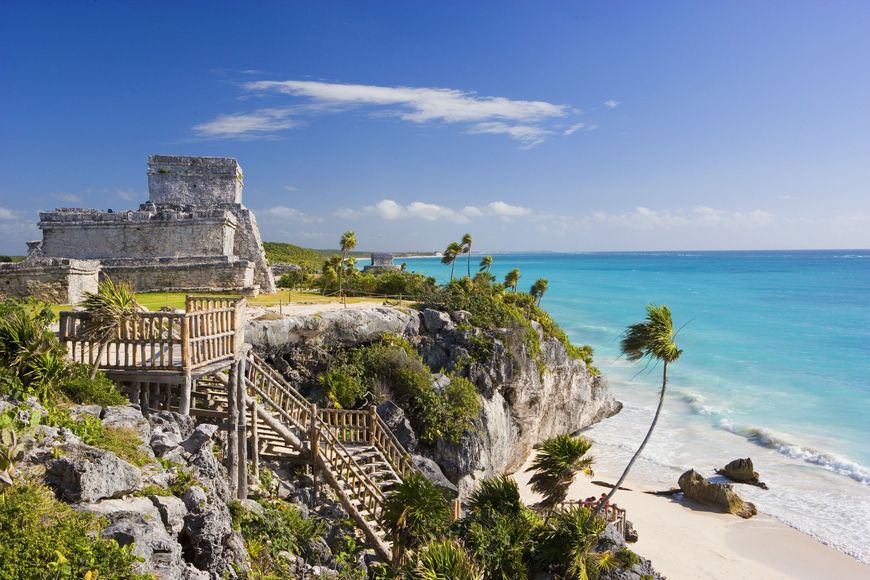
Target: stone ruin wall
x: 56, y: 280
x: 199, y: 181
x: 183, y: 276
x: 93, y: 234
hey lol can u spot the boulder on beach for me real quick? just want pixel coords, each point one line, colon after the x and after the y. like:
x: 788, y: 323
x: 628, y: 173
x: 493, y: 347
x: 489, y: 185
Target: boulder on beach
x: 717, y: 495
x: 742, y: 471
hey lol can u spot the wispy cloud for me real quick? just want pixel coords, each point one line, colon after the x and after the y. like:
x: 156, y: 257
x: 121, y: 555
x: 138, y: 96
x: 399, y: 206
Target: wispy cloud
x: 390, y: 210
x: 611, y: 104
x: 260, y: 123
x: 289, y: 188
x: 574, y: 128
x: 523, y: 120
x: 128, y: 195
x: 6, y: 214
x: 644, y: 218
x: 290, y: 214
x: 67, y: 197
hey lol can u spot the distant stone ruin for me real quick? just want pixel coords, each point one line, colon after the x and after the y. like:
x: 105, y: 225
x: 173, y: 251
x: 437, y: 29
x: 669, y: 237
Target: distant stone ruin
x: 193, y: 234
x: 381, y: 262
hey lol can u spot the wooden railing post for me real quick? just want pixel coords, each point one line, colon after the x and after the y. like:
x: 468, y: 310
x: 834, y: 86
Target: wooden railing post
x: 255, y: 441
x: 373, y: 425
x: 243, y: 429
x: 314, y: 442
x: 185, y: 343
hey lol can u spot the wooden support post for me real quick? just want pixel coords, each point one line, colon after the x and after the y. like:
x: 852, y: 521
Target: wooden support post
x: 457, y: 509
x: 184, y: 398
x: 255, y: 442
x: 243, y: 431
x: 232, y: 459
x: 314, y: 442
x: 373, y: 424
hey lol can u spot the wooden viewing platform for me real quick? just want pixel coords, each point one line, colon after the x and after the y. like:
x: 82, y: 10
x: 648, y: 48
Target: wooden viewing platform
x: 156, y: 352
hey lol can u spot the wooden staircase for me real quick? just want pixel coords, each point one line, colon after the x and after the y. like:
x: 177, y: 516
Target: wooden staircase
x: 354, y: 451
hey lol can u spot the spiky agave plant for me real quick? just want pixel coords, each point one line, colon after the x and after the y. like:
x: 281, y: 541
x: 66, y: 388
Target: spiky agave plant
x: 444, y: 560
x: 500, y: 494
x: 651, y: 340
x: 110, y: 307
x: 414, y: 513
x: 557, y: 461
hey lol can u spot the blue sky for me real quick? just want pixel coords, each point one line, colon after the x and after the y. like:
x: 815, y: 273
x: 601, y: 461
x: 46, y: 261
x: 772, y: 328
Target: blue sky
x: 534, y: 126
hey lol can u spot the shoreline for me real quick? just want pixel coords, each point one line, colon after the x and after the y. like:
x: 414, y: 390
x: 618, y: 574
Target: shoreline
x: 685, y: 540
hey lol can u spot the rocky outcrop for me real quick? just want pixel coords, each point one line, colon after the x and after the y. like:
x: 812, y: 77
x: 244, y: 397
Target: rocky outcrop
x: 742, y: 471
x: 611, y: 540
x: 87, y: 474
x: 717, y: 495
x: 394, y: 418
x: 525, y: 397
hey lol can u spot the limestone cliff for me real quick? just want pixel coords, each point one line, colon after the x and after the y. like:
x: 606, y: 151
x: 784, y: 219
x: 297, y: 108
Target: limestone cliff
x: 526, y: 397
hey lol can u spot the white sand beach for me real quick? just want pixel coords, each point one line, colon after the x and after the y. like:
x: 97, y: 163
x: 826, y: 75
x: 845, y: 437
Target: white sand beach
x: 686, y: 541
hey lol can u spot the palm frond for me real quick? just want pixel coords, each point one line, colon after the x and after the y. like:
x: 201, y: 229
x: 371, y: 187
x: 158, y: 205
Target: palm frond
x: 556, y: 463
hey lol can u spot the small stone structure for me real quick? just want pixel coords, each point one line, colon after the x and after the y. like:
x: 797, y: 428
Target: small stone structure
x: 54, y: 279
x: 193, y: 234
x: 381, y: 262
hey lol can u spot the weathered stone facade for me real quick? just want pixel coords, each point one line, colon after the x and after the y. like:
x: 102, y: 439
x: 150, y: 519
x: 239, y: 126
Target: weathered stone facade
x: 381, y: 262
x: 193, y: 234
x: 52, y: 279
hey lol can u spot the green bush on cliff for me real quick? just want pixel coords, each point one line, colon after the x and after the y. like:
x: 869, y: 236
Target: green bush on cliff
x: 280, y: 528
x: 45, y: 538
x: 394, y: 369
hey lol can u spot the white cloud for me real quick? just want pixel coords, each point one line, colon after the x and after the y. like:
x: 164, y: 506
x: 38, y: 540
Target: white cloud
x: 390, y: 210
x: 260, y: 123
x: 127, y: 195
x: 6, y: 214
x: 289, y: 188
x: 68, y: 197
x: 503, y: 209
x: 288, y: 213
x: 784, y: 197
x: 611, y: 104
x: 574, y: 128
x: 644, y: 218
x: 522, y: 120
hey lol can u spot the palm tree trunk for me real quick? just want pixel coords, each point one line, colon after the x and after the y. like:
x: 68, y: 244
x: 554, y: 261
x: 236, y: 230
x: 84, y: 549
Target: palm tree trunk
x: 469, y: 260
x: 452, y: 265
x: 637, y: 453
x: 96, y: 366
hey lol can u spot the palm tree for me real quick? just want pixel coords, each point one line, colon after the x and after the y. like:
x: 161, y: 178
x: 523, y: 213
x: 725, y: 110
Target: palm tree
x: 539, y: 288
x: 485, y: 264
x: 450, y: 254
x: 557, y: 461
x: 512, y: 279
x: 652, y: 339
x: 466, y: 249
x: 347, y: 243
x: 110, y: 307
x: 414, y: 513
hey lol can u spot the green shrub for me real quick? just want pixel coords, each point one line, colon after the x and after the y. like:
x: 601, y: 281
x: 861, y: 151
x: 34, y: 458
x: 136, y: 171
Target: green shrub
x: 81, y: 389
x: 43, y: 537
x: 500, y: 542
x: 626, y: 558
x: 183, y: 481
x: 280, y: 528
x: 343, y: 386
x: 563, y: 543
x: 122, y: 441
x: 444, y: 559
x: 152, y: 489
x: 498, y: 494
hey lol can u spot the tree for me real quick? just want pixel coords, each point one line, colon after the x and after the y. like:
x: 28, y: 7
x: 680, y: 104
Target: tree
x: 539, y: 288
x: 450, y: 254
x: 485, y: 264
x: 557, y: 461
x: 512, y: 279
x: 466, y: 249
x: 414, y: 513
x: 653, y: 340
x: 347, y: 243
x: 110, y: 307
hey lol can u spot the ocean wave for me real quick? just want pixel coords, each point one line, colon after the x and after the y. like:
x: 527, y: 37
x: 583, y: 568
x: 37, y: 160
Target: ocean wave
x: 850, y: 256
x: 830, y: 461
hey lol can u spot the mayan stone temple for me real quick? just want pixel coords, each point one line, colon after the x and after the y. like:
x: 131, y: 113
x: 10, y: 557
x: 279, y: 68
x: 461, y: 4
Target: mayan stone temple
x: 193, y: 234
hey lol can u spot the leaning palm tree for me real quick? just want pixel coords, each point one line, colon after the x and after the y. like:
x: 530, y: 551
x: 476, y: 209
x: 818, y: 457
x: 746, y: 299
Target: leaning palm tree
x: 485, y: 264
x: 347, y: 243
x: 539, y: 288
x: 556, y: 463
x: 653, y: 340
x: 450, y: 254
x: 512, y: 279
x: 110, y: 307
x: 466, y: 249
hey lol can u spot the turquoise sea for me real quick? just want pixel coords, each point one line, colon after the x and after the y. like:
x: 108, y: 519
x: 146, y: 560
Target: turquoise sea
x: 776, y: 366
